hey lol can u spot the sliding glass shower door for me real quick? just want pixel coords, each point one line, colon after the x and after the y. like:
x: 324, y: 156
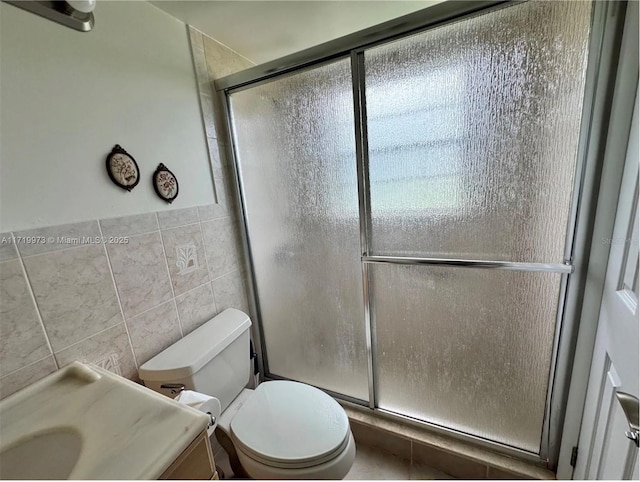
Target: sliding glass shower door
x: 294, y: 141
x: 473, y: 138
x: 407, y: 210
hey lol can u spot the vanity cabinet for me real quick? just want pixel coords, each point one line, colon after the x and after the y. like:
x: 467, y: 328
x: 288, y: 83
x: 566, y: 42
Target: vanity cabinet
x: 194, y: 463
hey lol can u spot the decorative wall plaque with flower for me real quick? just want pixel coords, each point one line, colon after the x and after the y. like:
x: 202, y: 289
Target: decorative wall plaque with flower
x: 122, y: 168
x: 165, y: 183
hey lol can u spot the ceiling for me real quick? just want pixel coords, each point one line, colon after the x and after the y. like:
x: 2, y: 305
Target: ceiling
x: 266, y: 30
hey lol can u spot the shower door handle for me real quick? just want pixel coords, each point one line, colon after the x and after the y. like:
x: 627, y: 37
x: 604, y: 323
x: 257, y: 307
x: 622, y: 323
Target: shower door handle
x: 631, y: 407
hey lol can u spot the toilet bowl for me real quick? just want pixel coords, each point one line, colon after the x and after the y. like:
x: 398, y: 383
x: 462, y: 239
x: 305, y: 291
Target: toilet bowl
x: 280, y: 430
x: 288, y: 430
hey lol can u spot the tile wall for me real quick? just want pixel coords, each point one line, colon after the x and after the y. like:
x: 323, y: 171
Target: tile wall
x: 213, y: 61
x: 115, y: 292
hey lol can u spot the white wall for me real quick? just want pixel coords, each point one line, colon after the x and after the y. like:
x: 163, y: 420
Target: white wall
x: 67, y: 97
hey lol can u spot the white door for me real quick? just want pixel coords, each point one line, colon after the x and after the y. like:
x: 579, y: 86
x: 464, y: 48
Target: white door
x: 604, y: 449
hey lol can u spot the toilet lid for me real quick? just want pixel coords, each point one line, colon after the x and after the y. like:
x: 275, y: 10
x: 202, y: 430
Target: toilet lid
x: 290, y: 424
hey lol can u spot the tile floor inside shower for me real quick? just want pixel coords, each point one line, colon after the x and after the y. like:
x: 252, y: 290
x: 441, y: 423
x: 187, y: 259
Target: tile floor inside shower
x: 371, y: 464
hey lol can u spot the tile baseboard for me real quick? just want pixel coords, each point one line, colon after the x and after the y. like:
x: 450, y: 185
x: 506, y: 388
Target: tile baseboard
x: 422, y: 447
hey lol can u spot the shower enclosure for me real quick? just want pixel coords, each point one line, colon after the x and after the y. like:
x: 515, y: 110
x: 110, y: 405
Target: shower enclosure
x: 409, y: 206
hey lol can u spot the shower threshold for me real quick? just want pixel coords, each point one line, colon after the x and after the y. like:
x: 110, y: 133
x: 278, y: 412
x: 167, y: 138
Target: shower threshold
x: 447, y: 454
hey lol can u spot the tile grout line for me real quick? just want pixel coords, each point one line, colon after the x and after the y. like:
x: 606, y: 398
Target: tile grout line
x: 30, y: 365
x: 166, y: 265
x: 115, y: 285
x: 130, y: 235
x: 158, y: 305
x: 188, y: 291
x: 175, y: 307
x: 179, y: 226
x: 220, y: 43
x: 213, y: 295
x: 214, y: 217
x: 227, y: 273
x: 70, y: 223
x: 206, y: 261
x: 127, y: 234
x: 61, y: 250
x: 96, y: 334
x: 206, y: 258
x: 35, y: 304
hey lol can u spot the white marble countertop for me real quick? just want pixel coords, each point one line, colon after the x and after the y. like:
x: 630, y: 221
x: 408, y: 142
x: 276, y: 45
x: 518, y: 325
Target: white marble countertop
x: 127, y: 430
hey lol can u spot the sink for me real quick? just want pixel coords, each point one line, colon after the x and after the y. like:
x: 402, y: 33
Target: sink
x: 84, y: 422
x: 45, y: 455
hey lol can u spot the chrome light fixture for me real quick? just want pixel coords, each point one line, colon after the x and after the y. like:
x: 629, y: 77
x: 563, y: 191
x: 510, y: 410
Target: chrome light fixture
x: 75, y: 14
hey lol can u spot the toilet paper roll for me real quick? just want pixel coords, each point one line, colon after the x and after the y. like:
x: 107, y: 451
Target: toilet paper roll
x: 203, y: 403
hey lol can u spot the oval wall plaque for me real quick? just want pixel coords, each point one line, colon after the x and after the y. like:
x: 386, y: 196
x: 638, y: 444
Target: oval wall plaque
x: 165, y: 183
x: 122, y: 168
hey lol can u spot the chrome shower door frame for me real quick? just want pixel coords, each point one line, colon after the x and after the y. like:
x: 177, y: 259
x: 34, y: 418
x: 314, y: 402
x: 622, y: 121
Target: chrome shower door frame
x: 606, y: 18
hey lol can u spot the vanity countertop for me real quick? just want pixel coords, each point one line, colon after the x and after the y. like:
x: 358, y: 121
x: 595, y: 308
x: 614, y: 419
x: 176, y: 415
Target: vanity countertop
x: 126, y: 431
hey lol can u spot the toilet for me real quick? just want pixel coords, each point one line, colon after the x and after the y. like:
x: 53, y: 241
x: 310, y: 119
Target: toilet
x: 280, y: 430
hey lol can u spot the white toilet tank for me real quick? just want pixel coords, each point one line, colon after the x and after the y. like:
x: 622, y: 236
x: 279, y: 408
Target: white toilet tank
x: 213, y: 359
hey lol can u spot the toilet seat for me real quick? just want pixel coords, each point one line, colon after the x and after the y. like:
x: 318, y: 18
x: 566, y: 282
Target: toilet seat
x: 336, y: 468
x: 290, y: 425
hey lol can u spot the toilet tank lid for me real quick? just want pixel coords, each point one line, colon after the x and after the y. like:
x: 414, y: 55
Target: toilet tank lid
x: 188, y: 355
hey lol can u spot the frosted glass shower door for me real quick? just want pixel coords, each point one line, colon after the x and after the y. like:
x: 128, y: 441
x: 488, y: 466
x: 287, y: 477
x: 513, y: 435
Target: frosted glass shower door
x: 295, y: 147
x: 473, y: 132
